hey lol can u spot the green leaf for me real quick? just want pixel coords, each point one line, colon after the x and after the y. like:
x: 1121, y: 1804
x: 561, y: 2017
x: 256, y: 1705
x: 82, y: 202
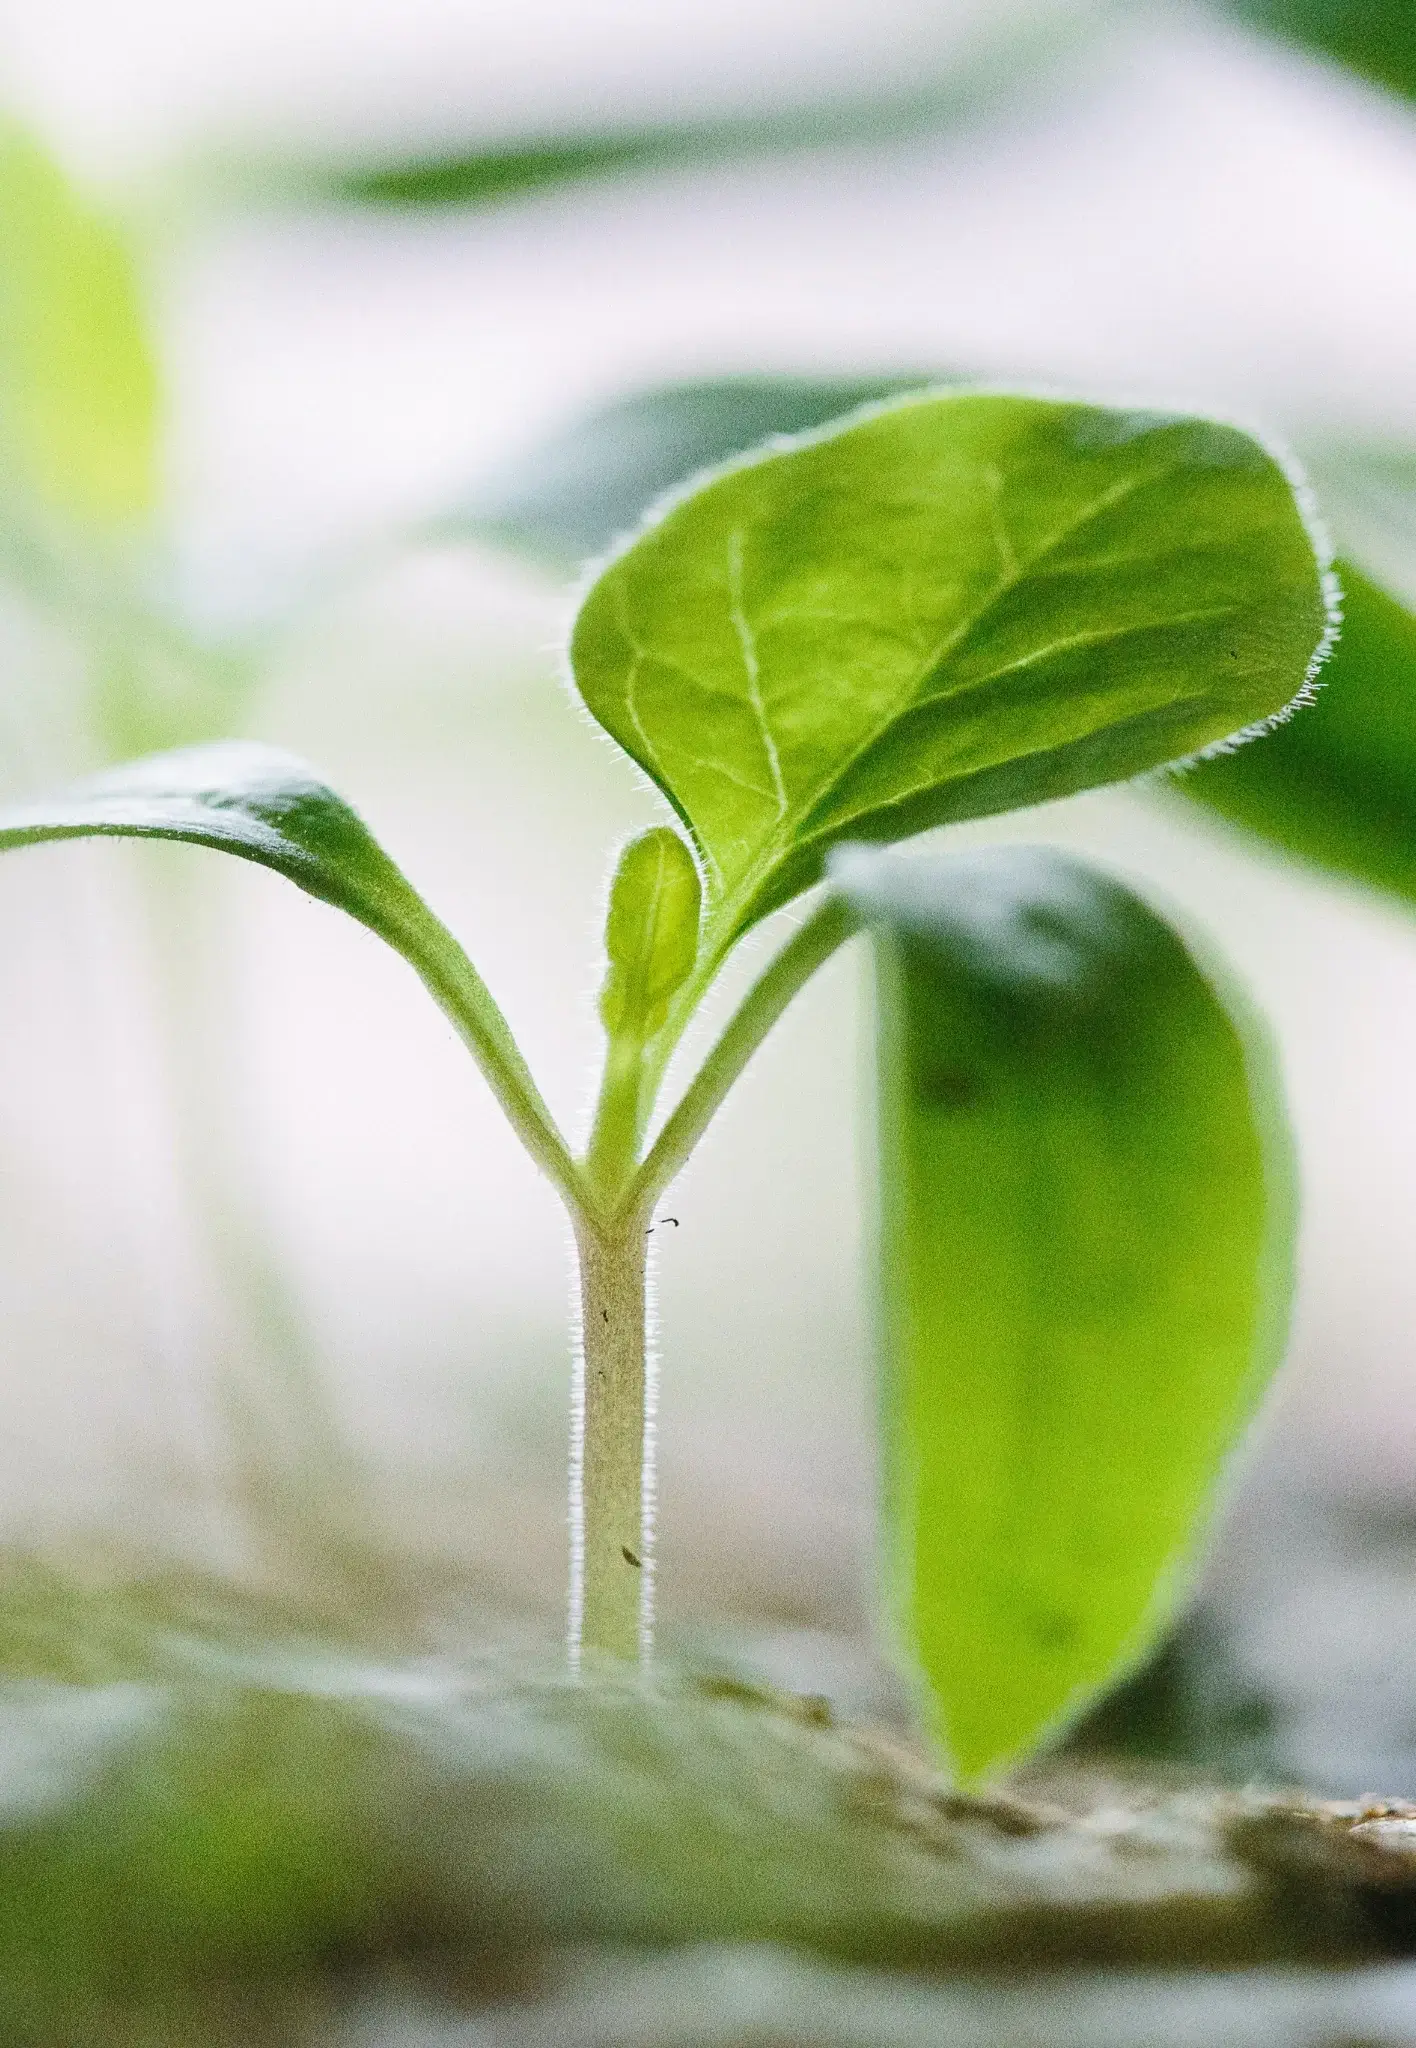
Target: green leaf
x: 948, y: 607
x: 1338, y: 785
x: 933, y: 95
x: 578, y: 491
x: 1086, y: 1261
x: 268, y: 807
x: 1376, y: 38
x: 78, y: 384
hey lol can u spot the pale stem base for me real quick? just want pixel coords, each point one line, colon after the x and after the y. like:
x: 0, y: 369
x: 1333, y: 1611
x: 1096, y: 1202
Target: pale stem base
x: 611, y: 1532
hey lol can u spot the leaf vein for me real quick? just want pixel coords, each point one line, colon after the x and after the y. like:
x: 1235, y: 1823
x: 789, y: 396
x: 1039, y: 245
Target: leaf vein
x: 1104, y: 637
x: 839, y: 825
x: 1115, y: 494
x: 752, y: 668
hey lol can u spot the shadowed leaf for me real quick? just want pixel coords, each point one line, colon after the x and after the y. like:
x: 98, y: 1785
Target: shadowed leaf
x: 1085, y: 1266
x: 1338, y: 785
x: 577, y: 492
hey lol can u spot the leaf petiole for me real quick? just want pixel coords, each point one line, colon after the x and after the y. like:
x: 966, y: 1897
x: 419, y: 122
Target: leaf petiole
x: 828, y: 928
x: 464, y: 998
x: 614, y: 1139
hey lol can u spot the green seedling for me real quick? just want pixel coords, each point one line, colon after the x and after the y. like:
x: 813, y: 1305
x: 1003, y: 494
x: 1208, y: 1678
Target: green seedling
x: 948, y: 606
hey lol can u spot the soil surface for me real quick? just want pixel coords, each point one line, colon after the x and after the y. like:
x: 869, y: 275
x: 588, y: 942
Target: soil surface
x: 209, y: 1837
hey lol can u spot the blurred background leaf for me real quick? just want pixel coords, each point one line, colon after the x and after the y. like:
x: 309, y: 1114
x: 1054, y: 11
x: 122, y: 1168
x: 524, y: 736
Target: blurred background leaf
x: 82, y: 418
x: 573, y: 494
x: 1376, y: 38
x: 1367, y: 494
x: 1337, y: 784
x: 79, y: 392
x: 969, y: 78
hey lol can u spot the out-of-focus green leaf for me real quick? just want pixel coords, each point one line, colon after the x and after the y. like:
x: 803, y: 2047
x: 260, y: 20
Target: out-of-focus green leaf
x: 580, y: 490
x: 1337, y: 785
x: 1085, y: 1267
x: 953, y: 606
x: 481, y: 177
x: 960, y: 83
x: 1374, y: 37
x: 157, y: 685
x: 268, y: 807
x: 78, y: 384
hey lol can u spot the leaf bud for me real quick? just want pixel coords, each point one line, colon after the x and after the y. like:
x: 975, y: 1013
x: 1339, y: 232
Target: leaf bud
x: 651, y: 933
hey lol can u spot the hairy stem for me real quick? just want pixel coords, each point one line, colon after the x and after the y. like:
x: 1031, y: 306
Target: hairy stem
x: 611, y: 1500
x: 611, y: 1583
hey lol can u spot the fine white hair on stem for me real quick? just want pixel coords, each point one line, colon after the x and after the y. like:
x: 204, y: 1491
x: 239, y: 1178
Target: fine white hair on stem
x: 649, y: 1469
x: 575, y: 1506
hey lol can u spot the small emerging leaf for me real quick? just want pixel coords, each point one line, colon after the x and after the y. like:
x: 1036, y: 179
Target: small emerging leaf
x: 952, y: 606
x: 269, y: 807
x: 651, y: 933
x: 1338, y: 785
x: 78, y: 384
x: 1085, y: 1261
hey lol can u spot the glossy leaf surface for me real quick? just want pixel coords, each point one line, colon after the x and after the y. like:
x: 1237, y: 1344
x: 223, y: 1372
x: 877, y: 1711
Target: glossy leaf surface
x: 78, y: 384
x: 268, y: 807
x: 952, y: 606
x: 1085, y: 1266
x: 575, y: 494
x: 1337, y: 785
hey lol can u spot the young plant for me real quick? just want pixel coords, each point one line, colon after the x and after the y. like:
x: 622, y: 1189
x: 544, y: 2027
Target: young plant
x: 944, y: 607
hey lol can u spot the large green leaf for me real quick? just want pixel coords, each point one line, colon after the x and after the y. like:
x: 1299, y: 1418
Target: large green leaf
x: 577, y: 492
x: 78, y: 384
x: 951, y: 606
x: 268, y: 807
x: 1085, y: 1254
x: 1338, y: 785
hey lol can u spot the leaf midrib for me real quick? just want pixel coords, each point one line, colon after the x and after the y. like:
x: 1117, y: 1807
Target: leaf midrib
x: 780, y: 844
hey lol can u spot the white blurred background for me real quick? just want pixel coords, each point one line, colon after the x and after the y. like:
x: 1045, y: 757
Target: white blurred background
x: 1146, y: 203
